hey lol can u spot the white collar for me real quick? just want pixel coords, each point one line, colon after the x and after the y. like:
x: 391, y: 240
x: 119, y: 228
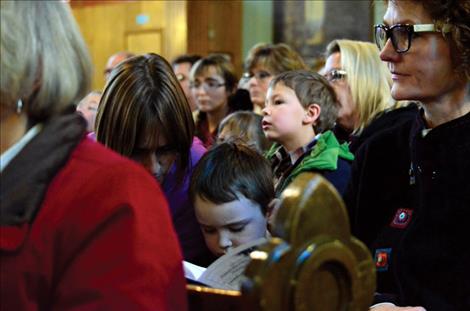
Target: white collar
x: 13, y: 151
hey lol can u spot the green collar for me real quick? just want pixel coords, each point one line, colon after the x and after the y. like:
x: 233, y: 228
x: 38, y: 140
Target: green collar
x: 323, y: 156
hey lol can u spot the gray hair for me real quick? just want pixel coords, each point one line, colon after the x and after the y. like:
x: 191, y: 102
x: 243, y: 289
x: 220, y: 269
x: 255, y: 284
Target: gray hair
x: 44, y: 62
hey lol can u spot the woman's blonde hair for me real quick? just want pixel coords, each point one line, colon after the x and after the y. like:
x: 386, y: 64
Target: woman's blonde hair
x: 44, y: 62
x: 368, y: 78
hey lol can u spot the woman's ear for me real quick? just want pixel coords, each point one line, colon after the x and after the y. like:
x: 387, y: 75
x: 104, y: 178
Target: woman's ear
x: 312, y: 113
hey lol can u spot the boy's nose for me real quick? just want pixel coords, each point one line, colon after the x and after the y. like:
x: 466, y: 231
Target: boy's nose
x: 265, y: 110
x: 224, y: 241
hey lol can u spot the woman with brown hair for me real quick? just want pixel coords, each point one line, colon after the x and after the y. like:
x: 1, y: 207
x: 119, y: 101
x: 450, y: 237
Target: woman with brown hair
x: 144, y: 115
x: 213, y: 83
x: 409, y: 198
x: 264, y: 61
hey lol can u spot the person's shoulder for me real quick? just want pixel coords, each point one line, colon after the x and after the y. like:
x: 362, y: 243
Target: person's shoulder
x: 197, y: 150
x: 95, y: 154
x: 93, y: 161
x: 389, y: 124
x: 393, y: 136
x: 97, y: 177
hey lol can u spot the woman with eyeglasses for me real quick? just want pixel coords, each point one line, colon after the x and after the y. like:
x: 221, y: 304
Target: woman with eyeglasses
x: 362, y: 84
x: 264, y: 61
x: 213, y: 83
x: 409, y: 197
x: 144, y: 115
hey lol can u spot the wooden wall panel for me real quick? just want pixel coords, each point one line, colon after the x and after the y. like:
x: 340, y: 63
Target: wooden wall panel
x: 103, y: 33
x: 200, y: 27
x: 106, y: 27
x: 216, y: 26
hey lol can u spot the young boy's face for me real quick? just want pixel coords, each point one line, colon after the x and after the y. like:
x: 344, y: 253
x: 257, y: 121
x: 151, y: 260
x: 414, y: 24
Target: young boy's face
x: 230, y: 224
x: 283, y: 115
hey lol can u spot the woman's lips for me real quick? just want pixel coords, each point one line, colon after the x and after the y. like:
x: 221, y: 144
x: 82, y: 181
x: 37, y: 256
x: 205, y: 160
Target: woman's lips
x: 398, y: 75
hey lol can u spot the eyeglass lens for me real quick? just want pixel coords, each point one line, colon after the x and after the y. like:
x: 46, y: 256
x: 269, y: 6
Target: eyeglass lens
x: 399, y: 34
x: 335, y: 75
x: 207, y: 85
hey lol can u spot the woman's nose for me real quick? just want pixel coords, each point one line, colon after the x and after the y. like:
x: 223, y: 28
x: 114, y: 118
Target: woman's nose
x: 388, y: 53
x: 252, y: 81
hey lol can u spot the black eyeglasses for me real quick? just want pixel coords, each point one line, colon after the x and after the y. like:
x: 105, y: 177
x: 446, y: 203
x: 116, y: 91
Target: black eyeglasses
x: 402, y: 34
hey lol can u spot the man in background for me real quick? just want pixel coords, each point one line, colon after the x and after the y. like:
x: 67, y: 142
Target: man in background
x: 114, y: 60
x: 182, y: 66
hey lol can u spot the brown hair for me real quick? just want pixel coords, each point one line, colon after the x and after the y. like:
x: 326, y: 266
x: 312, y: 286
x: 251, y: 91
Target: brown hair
x: 312, y: 88
x: 143, y: 100
x: 276, y: 58
x: 246, y: 126
x: 222, y: 66
x: 230, y: 169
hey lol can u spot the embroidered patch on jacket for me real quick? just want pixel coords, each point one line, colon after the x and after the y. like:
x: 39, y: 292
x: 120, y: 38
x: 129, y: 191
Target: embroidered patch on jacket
x: 382, y: 258
x: 402, y: 218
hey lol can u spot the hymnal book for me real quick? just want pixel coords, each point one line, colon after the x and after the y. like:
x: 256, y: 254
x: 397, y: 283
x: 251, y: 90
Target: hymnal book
x: 227, y: 271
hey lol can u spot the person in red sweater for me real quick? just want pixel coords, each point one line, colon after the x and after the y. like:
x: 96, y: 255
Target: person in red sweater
x: 81, y: 227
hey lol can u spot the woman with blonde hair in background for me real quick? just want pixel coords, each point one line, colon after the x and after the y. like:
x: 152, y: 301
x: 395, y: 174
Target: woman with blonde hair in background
x: 263, y: 63
x: 362, y: 84
x: 81, y: 227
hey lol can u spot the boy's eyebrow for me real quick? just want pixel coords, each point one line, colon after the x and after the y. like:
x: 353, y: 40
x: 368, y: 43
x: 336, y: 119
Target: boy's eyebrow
x: 238, y: 223
x: 276, y: 95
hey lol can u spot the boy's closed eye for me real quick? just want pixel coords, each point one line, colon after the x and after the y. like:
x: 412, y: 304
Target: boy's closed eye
x: 238, y: 228
x: 234, y: 227
x: 208, y: 230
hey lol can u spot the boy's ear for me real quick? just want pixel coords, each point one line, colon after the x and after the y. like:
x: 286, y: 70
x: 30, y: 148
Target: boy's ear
x: 312, y: 113
x: 272, y: 210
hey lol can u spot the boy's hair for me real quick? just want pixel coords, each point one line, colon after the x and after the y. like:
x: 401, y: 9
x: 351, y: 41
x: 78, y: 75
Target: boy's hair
x: 246, y: 125
x: 230, y: 169
x: 312, y: 88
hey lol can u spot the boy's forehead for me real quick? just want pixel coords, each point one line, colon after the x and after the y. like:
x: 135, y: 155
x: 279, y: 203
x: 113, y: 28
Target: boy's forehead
x: 210, y: 213
x: 280, y: 89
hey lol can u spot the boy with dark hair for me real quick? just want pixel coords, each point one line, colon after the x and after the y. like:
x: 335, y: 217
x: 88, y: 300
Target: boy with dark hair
x: 301, y: 109
x: 232, y: 191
